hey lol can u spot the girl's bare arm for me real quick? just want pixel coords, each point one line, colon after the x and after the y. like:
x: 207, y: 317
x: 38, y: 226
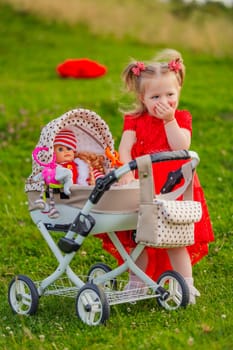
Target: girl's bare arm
x: 127, y: 141
x: 178, y: 138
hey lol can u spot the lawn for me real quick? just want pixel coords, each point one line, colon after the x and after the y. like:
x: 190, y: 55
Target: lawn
x: 31, y: 94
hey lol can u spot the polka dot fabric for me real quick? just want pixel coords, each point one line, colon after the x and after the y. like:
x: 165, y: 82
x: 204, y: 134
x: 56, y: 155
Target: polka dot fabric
x: 171, y: 223
x: 92, y: 133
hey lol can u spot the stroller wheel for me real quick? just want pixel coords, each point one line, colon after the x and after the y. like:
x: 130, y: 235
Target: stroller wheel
x: 98, y: 270
x: 92, y: 306
x: 174, y: 283
x: 23, y: 296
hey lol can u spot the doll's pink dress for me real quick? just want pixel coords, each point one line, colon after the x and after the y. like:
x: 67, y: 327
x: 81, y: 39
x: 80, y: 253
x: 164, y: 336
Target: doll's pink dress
x: 151, y: 137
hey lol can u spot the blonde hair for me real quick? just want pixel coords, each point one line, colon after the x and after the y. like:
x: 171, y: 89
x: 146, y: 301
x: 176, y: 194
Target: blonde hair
x: 135, y: 74
x: 94, y: 161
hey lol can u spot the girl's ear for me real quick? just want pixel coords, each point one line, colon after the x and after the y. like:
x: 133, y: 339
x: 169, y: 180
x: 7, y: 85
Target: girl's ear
x: 141, y: 97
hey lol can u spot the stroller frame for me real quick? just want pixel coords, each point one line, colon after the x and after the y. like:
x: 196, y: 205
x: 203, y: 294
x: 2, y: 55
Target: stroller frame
x: 100, y: 289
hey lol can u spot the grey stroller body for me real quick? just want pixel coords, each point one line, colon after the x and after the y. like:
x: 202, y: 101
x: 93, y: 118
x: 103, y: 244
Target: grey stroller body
x: 89, y: 210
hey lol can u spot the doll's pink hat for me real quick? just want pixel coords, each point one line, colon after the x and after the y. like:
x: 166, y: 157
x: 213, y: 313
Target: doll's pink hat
x: 66, y: 138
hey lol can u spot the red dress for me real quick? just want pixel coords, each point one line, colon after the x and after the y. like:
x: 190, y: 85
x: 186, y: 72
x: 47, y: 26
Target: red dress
x: 151, y: 137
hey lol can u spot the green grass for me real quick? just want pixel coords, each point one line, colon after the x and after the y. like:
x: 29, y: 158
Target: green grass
x: 31, y: 94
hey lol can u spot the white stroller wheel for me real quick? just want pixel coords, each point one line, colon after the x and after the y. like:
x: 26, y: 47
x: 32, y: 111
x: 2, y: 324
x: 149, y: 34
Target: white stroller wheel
x: 178, y: 290
x: 92, y: 306
x: 23, y: 296
x: 98, y: 270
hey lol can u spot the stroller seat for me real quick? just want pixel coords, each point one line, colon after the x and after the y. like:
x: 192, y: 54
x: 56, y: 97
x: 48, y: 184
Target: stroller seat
x: 118, y: 199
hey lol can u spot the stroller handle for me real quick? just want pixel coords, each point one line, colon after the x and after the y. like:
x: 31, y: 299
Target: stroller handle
x: 167, y: 156
x: 103, y: 184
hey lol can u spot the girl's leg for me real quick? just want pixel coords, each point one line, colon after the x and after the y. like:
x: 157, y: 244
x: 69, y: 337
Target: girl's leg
x: 142, y: 260
x: 134, y: 281
x: 181, y: 262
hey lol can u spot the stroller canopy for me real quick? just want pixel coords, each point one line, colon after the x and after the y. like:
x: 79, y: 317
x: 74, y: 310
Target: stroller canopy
x: 92, y: 133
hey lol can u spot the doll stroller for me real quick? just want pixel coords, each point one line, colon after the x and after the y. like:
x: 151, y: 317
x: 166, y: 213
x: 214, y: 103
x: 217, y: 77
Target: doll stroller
x: 89, y: 210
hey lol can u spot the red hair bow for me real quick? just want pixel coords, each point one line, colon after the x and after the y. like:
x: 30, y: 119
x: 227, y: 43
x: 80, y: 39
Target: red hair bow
x: 139, y: 66
x: 175, y: 65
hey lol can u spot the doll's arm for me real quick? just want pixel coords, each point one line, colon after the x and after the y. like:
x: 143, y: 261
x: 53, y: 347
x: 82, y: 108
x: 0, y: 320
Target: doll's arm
x: 178, y: 138
x: 64, y: 176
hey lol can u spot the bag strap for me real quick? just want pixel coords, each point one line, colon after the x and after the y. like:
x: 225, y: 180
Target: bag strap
x: 145, y: 179
x: 186, y: 189
x: 147, y: 184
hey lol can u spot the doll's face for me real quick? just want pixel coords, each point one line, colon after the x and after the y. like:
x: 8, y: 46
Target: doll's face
x: 63, y: 154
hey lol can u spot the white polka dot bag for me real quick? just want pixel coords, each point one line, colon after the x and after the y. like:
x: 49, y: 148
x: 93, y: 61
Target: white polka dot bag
x: 163, y: 221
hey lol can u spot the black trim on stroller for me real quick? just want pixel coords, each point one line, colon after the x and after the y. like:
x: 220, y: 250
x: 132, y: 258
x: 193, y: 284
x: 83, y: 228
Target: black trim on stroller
x: 103, y: 184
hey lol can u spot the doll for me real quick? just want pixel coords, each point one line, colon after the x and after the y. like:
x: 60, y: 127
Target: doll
x: 86, y: 167
x: 67, y: 168
x: 54, y: 176
x: 60, y: 172
x: 65, y: 146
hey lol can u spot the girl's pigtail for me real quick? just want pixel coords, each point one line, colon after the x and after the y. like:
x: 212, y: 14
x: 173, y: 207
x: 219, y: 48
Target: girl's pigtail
x: 174, y: 63
x: 129, y: 78
x: 131, y: 75
x: 177, y: 67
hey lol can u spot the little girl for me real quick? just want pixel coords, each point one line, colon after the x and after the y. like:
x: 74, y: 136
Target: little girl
x: 156, y: 125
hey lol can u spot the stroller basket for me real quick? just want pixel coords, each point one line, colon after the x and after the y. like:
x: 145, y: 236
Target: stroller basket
x: 65, y: 288
x: 90, y: 210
